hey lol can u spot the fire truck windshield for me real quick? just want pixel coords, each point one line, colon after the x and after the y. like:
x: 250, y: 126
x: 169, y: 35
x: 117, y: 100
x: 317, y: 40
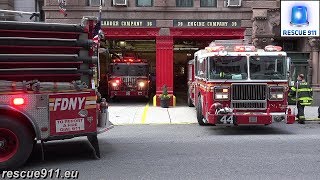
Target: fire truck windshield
x: 267, y: 67
x: 228, y: 67
x: 129, y: 69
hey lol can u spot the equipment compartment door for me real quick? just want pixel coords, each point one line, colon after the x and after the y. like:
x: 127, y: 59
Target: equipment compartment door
x: 72, y: 113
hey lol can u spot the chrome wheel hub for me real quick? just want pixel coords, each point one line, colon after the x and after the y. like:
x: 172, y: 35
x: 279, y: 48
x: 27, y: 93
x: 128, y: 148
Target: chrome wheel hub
x: 2, y: 143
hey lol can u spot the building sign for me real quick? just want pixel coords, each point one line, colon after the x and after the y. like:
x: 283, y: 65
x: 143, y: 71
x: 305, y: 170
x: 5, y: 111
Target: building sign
x: 128, y: 23
x: 224, y: 23
x: 299, y: 18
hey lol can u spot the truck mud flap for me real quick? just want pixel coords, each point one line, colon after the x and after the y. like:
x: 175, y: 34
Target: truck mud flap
x: 94, y: 143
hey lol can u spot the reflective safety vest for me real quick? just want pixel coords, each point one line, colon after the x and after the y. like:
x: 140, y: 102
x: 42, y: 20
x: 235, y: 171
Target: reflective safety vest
x: 302, y: 93
x: 221, y: 74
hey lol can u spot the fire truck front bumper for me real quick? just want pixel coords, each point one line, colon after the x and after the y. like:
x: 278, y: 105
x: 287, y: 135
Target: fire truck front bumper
x: 250, y: 118
x: 129, y: 94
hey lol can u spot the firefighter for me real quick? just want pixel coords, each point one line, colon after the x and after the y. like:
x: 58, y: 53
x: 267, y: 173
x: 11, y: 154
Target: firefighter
x: 301, y: 92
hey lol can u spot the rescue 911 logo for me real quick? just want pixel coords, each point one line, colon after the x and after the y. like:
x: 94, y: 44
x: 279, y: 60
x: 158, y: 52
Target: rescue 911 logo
x: 299, y: 18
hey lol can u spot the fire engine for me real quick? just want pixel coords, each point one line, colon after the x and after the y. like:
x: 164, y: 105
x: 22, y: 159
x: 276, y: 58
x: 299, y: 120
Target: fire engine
x: 233, y: 83
x: 47, y: 88
x: 128, y: 77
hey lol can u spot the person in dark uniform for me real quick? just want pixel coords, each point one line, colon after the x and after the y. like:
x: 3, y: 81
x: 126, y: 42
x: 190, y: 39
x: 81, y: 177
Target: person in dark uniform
x: 301, y: 92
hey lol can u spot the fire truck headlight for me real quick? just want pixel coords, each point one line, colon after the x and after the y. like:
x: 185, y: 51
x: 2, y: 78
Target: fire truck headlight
x: 276, y: 93
x: 279, y: 96
x: 114, y: 84
x: 221, y: 96
x: 225, y: 96
x: 141, y: 84
x: 218, y: 96
x: 221, y: 93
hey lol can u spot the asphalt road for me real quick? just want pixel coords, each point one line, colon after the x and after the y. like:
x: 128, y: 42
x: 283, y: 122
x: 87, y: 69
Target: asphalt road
x: 189, y: 151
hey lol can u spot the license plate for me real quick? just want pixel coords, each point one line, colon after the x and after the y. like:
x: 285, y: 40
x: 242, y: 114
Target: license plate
x: 252, y: 119
x: 128, y: 93
x: 226, y: 119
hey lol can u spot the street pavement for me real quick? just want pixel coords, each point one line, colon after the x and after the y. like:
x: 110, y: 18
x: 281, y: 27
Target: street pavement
x: 190, y: 151
x: 142, y: 112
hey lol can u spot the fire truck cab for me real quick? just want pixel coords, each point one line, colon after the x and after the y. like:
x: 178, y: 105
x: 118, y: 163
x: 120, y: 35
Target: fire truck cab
x: 237, y: 84
x: 128, y: 77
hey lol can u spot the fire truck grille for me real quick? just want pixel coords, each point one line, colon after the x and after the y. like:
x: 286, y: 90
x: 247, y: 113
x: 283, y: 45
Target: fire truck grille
x: 249, y: 105
x: 249, y: 92
x: 129, y: 82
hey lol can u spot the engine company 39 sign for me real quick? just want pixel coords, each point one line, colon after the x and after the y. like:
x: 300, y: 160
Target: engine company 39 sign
x: 72, y: 113
x: 225, y: 23
x: 299, y: 18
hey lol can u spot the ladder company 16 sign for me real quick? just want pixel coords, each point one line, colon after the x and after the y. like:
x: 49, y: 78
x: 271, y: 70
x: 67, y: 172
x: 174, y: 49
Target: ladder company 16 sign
x: 225, y: 23
x: 128, y: 23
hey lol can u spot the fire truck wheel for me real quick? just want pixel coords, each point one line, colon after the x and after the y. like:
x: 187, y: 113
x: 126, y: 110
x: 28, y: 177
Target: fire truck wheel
x: 16, y: 143
x: 199, y: 113
x: 189, y: 100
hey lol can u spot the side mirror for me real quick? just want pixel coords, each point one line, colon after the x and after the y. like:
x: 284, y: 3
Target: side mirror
x: 288, y: 59
x: 291, y: 83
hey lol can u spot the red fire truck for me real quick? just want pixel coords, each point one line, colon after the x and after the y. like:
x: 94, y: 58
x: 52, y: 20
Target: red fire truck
x: 236, y: 84
x: 47, y: 88
x: 128, y: 77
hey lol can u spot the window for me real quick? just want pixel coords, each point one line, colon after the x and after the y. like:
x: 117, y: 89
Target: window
x: 95, y: 2
x: 208, y: 3
x: 184, y: 3
x: 144, y: 3
x: 228, y: 67
x: 201, y: 68
x: 267, y: 67
x: 129, y: 70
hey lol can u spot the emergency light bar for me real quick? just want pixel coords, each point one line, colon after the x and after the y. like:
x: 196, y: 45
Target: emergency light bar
x: 126, y: 60
x: 244, y: 48
x: 116, y: 60
x: 273, y: 48
x: 215, y: 48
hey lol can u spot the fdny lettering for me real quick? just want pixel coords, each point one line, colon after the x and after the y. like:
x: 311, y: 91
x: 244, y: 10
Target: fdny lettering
x: 68, y: 103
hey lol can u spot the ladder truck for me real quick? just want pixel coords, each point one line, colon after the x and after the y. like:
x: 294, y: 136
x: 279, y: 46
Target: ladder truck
x: 48, y: 87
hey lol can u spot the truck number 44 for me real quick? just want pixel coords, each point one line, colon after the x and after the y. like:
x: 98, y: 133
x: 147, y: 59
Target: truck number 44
x: 227, y: 119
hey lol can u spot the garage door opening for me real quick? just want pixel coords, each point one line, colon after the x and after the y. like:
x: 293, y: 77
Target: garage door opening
x: 184, y: 52
x: 128, y: 70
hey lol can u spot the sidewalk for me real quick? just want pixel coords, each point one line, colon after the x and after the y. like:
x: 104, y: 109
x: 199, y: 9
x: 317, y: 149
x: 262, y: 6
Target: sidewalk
x: 148, y: 114
x: 310, y: 112
x: 152, y: 115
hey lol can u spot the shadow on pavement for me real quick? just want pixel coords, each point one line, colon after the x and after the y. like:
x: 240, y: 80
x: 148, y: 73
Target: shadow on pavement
x: 62, y: 151
x: 247, y: 130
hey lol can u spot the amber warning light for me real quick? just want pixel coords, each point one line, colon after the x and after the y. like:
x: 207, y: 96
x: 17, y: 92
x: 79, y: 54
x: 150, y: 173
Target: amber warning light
x: 18, y: 101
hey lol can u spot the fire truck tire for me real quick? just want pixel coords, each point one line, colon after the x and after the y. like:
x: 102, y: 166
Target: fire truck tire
x: 17, y: 143
x: 189, y: 99
x: 199, y: 113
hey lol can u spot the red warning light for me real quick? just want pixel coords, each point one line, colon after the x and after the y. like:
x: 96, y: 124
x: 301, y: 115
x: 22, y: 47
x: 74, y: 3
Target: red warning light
x: 18, y: 101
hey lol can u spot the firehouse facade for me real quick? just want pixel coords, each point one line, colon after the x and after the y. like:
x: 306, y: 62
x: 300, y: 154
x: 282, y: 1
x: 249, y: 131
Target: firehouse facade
x: 169, y: 32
